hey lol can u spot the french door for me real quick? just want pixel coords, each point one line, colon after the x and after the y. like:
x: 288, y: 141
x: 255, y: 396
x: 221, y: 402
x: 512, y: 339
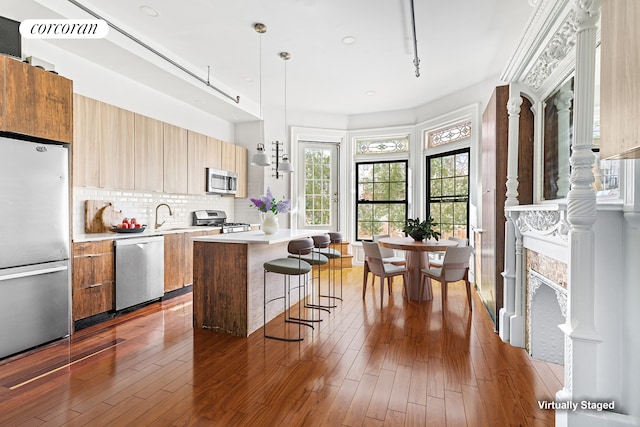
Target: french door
x: 319, y: 185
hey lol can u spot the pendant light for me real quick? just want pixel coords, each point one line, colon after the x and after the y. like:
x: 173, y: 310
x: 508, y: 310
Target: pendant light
x: 261, y: 158
x: 285, y: 165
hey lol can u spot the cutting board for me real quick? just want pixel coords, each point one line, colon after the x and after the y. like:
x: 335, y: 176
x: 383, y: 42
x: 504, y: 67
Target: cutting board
x: 100, y: 215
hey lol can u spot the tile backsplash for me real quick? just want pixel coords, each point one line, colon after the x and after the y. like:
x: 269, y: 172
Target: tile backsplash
x: 142, y: 205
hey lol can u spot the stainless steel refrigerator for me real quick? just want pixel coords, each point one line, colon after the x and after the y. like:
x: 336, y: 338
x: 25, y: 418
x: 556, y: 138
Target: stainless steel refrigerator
x: 35, y: 281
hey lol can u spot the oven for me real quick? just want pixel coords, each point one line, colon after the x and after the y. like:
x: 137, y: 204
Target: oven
x: 215, y: 218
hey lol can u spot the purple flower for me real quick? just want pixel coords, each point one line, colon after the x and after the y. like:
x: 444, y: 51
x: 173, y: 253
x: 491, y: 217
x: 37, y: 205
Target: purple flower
x: 267, y: 202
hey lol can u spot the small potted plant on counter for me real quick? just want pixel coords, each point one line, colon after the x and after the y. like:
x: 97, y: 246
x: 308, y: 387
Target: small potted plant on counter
x: 420, y: 230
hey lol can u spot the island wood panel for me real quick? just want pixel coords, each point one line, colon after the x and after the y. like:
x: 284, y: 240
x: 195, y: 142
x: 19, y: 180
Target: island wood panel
x: 117, y: 159
x: 93, y: 278
x: 174, y: 261
x: 175, y: 159
x: 242, y: 155
x: 86, y: 146
x: 220, y: 287
x: 228, y: 290
x: 3, y: 65
x: 38, y: 103
x: 149, y: 154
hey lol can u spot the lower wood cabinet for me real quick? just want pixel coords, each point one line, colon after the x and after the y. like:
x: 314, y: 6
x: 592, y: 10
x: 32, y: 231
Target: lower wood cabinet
x: 174, y: 261
x: 93, y: 288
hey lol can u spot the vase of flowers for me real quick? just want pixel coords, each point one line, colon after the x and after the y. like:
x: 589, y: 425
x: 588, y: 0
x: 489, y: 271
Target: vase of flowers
x: 269, y: 208
x: 420, y: 230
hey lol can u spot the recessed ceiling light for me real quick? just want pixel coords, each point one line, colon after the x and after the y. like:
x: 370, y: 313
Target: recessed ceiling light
x: 248, y: 79
x: 149, y: 11
x: 370, y: 93
x: 348, y: 40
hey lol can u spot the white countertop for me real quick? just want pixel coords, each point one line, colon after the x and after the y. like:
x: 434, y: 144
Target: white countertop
x: 258, y: 237
x: 94, y: 237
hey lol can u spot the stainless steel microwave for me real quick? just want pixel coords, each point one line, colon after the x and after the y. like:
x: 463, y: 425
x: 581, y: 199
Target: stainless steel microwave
x: 221, y: 181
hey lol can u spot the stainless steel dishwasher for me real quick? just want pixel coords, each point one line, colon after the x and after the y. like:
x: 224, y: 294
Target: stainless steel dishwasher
x: 139, y: 270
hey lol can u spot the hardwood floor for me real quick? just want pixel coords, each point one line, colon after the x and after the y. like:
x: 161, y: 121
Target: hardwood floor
x: 408, y: 364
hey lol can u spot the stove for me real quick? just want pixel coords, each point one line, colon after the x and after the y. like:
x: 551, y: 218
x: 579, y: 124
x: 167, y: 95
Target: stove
x: 213, y: 218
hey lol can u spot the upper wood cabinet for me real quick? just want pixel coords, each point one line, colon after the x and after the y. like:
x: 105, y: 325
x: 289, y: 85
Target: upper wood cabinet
x: 117, y: 160
x: 149, y: 154
x: 196, y: 158
x: 242, y: 155
x: 115, y: 148
x: 86, y: 137
x: 203, y: 152
x: 104, y: 155
x: 175, y: 159
x: 619, y: 84
x: 228, y: 156
x: 36, y: 102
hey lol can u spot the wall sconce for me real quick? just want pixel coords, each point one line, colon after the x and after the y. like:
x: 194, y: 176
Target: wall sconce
x: 281, y: 160
x: 261, y: 158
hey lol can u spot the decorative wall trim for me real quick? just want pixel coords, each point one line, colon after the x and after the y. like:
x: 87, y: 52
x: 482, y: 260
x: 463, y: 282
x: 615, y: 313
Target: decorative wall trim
x: 549, y: 223
x: 560, y: 45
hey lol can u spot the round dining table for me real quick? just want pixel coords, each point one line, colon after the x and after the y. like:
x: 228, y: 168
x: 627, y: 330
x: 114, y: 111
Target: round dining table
x: 417, y: 256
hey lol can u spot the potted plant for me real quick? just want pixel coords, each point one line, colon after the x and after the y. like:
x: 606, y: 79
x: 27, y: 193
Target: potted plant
x: 420, y: 230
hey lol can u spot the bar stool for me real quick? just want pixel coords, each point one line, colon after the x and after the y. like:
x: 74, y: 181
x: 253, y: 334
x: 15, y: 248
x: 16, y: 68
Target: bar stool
x: 290, y: 266
x: 322, y: 244
x: 314, y: 258
x: 336, y: 239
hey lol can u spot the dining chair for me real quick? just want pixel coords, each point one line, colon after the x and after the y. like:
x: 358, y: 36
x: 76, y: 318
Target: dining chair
x: 383, y: 270
x: 435, y: 258
x: 455, y: 267
x: 388, y: 256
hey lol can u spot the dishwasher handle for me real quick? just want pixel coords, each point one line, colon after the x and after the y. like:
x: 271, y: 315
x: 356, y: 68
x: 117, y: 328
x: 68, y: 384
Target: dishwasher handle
x: 138, y: 241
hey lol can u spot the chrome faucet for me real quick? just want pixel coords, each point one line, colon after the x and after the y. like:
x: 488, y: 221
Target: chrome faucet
x: 158, y: 207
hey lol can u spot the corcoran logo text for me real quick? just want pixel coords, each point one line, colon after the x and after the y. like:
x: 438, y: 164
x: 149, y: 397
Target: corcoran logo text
x: 64, y: 28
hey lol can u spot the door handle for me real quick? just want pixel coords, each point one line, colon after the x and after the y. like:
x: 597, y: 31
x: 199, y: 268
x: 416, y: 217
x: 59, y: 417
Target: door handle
x: 33, y: 273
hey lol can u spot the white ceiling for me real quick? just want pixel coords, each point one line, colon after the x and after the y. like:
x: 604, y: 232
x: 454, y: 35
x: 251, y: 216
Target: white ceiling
x: 460, y: 43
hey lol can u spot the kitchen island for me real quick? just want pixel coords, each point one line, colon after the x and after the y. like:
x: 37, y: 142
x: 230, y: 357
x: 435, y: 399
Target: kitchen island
x: 228, y: 292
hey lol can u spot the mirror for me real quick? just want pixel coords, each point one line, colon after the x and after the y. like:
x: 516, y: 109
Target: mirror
x: 557, y: 139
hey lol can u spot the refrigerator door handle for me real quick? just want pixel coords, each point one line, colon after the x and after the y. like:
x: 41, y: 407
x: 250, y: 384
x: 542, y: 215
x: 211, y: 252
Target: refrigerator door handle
x: 33, y: 273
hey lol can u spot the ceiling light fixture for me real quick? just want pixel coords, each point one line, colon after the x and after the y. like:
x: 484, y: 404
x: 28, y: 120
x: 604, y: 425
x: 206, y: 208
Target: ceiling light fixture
x: 348, y: 40
x: 370, y: 93
x: 149, y: 11
x: 260, y: 158
x: 416, y: 60
x: 284, y: 165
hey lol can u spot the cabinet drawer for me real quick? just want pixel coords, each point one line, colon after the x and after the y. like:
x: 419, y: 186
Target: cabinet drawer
x: 93, y: 300
x: 92, y: 269
x: 92, y: 248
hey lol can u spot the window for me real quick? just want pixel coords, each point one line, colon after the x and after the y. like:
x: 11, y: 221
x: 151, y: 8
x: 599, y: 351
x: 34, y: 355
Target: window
x: 448, y: 135
x: 392, y: 144
x: 448, y: 192
x: 381, y: 207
